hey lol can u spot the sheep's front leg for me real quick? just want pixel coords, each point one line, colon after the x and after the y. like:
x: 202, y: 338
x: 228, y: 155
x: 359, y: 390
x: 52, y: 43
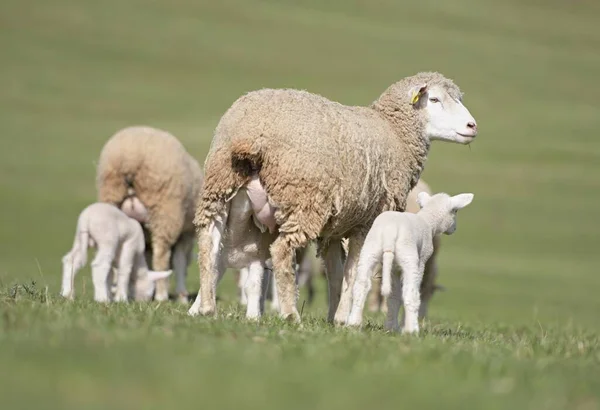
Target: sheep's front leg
x: 253, y: 288
x: 394, y: 302
x: 181, y: 258
x: 412, y: 275
x: 282, y: 256
x: 126, y: 262
x: 343, y: 310
x: 334, y: 269
x: 211, y: 267
x: 101, y: 268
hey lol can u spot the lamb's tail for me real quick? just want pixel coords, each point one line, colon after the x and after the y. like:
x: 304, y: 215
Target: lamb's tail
x: 80, y: 245
x: 386, y: 272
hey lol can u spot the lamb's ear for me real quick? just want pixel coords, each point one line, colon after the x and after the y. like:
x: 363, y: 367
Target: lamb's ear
x: 461, y: 200
x: 416, y: 92
x: 153, y: 276
x: 423, y: 198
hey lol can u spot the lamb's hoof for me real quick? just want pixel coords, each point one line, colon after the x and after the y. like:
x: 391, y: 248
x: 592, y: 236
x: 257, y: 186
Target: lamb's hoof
x: 161, y: 297
x: 253, y: 316
x: 354, y: 322
x: 408, y: 331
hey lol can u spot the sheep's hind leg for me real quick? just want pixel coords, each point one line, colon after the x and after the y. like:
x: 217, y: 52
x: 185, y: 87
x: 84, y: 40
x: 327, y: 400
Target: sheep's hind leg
x: 181, y: 257
x: 211, y: 267
x: 282, y: 256
x: 161, y: 256
x: 343, y: 310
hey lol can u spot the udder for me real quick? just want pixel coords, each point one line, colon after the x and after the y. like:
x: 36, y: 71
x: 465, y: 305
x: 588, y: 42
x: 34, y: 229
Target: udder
x: 263, y: 211
x: 134, y: 208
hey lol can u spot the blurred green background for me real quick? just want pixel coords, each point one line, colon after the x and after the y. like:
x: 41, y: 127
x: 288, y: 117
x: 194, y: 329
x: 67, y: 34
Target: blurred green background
x: 73, y: 72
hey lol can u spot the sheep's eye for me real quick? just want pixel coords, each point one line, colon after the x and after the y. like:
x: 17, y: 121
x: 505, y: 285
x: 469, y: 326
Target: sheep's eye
x: 434, y: 99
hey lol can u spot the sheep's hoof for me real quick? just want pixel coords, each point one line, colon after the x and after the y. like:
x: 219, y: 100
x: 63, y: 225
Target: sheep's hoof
x: 183, y: 299
x: 292, y: 317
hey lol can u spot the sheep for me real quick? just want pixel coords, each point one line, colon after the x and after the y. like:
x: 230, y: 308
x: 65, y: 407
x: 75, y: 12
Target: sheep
x: 119, y: 241
x: 321, y: 171
x: 148, y: 174
x: 406, y: 239
x: 375, y: 301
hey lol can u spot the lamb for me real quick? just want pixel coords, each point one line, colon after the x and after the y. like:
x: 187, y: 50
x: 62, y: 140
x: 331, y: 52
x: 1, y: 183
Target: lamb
x: 148, y: 174
x: 321, y: 171
x: 375, y: 301
x: 406, y: 239
x: 120, y: 243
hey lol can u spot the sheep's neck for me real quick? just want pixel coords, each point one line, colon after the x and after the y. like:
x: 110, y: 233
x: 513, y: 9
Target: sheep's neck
x: 409, y: 127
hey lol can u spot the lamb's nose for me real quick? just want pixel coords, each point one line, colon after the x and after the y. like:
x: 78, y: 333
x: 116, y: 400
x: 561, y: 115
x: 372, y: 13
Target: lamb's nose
x: 472, y: 125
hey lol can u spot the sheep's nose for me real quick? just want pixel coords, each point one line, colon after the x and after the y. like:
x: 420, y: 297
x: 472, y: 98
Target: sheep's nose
x: 472, y: 125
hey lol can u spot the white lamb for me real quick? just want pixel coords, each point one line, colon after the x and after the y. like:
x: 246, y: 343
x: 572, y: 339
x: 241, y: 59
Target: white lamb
x: 119, y: 240
x: 407, y: 239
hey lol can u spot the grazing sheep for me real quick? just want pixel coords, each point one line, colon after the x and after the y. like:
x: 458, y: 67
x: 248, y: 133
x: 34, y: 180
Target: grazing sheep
x: 320, y: 171
x: 120, y: 243
x: 406, y: 239
x: 376, y: 302
x: 149, y: 175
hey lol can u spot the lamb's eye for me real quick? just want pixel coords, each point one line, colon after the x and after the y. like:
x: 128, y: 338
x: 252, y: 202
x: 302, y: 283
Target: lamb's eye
x: 434, y: 99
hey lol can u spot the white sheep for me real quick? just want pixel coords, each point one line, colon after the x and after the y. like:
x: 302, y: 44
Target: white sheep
x: 119, y: 241
x: 406, y: 239
x: 319, y: 171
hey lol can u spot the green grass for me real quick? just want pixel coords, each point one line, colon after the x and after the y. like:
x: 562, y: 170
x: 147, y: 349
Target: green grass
x: 518, y: 326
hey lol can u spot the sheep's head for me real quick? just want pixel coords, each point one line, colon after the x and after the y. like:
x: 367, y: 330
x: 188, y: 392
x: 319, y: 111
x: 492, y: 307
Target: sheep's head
x: 146, y: 283
x: 447, y: 118
x: 443, y: 208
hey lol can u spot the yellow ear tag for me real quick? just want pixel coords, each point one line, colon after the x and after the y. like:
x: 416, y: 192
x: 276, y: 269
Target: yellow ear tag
x: 415, y: 97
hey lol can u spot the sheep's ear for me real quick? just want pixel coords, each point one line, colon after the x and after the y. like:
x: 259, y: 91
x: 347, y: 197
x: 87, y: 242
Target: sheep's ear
x: 423, y: 198
x: 153, y: 276
x: 461, y: 200
x: 416, y: 93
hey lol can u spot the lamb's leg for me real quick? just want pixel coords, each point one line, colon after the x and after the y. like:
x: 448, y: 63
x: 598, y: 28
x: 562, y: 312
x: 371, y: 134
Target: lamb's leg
x: 374, y: 298
x: 243, y: 277
x: 274, y: 296
x: 253, y: 288
x: 394, y: 302
x: 211, y: 268
x: 334, y: 270
x: 125, y: 266
x: 70, y: 269
x: 343, y: 310
x: 181, y: 255
x: 282, y: 257
x: 412, y: 275
x: 101, y: 267
x: 161, y: 256
x: 368, y: 260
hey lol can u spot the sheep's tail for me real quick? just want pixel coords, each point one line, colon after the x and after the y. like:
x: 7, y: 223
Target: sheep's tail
x: 386, y: 272
x: 225, y: 172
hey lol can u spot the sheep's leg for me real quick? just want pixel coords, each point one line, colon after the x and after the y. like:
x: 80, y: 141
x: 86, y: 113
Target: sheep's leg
x: 101, y: 268
x: 334, y: 270
x: 374, y: 298
x: 394, y: 302
x: 282, y: 257
x: 211, y: 267
x: 368, y: 260
x: 243, y: 277
x: 354, y: 247
x: 305, y: 273
x: 254, y: 290
x: 125, y: 267
x: 161, y: 256
x: 181, y: 256
x: 412, y: 275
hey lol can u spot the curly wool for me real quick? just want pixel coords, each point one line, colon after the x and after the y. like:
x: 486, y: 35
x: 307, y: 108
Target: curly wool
x: 328, y: 168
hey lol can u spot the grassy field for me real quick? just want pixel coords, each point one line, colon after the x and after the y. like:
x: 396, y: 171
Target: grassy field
x: 519, y: 326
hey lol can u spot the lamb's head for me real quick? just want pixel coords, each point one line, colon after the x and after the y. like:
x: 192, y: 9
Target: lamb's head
x: 440, y: 209
x: 145, y: 283
x: 435, y: 102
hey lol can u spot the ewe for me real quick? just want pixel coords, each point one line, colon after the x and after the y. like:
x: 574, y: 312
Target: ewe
x: 306, y: 168
x: 149, y: 175
x: 407, y: 239
x: 119, y: 241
